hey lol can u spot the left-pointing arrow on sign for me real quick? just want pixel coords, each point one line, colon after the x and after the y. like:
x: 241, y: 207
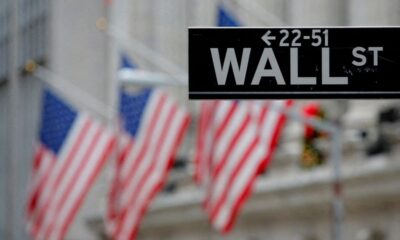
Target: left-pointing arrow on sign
x: 267, y: 38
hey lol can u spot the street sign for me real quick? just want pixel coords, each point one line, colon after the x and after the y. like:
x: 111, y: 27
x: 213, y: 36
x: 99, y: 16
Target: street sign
x: 280, y: 63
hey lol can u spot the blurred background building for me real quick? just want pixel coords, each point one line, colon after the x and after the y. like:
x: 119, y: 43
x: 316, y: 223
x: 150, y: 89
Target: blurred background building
x: 290, y: 201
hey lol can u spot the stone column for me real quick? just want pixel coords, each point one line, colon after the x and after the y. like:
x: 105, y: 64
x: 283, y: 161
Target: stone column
x: 374, y: 13
x: 316, y: 13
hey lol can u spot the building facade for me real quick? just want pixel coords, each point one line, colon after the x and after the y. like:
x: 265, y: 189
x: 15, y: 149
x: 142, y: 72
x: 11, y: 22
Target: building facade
x: 288, y: 202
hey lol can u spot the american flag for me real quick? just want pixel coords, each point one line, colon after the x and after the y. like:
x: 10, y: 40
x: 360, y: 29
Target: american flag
x: 271, y: 120
x: 71, y: 151
x: 226, y: 18
x: 235, y: 143
x: 153, y: 126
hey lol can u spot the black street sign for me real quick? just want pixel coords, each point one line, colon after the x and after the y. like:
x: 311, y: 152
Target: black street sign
x: 281, y: 63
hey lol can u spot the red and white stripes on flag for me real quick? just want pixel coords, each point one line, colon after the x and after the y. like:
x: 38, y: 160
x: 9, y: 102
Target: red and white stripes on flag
x: 71, y: 151
x: 235, y: 143
x: 152, y: 128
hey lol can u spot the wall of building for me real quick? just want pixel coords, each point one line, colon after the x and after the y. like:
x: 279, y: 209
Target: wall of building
x: 27, y: 122
x: 84, y: 56
x: 33, y: 16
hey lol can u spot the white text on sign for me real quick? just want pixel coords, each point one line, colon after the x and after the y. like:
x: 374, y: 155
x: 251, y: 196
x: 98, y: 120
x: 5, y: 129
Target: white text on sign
x: 317, y: 38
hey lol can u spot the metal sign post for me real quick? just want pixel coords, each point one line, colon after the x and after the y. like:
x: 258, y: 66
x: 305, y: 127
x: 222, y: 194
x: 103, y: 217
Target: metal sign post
x: 337, y: 202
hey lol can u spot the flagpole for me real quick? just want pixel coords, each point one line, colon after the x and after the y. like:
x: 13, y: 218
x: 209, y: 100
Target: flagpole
x: 113, y: 94
x: 13, y: 80
x: 70, y: 91
x: 125, y: 40
x: 112, y: 64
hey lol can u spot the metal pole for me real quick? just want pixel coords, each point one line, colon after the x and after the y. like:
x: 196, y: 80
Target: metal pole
x: 337, y: 202
x: 13, y: 79
x: 338, y: 210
